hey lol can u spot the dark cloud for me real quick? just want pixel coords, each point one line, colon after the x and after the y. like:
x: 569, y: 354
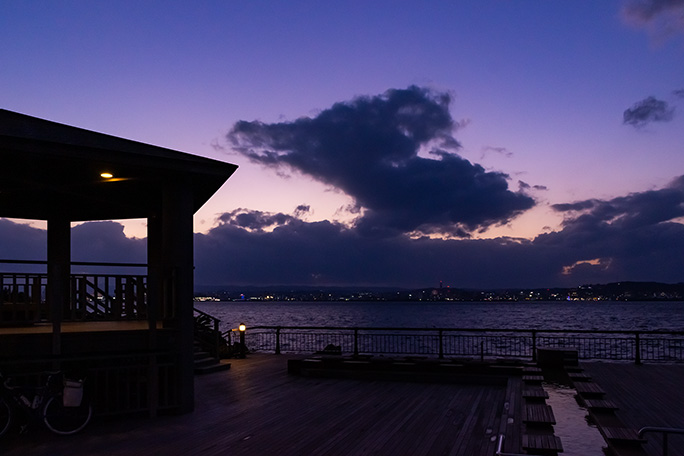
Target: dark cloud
x: 646, y: 111
x: 524, y: 186
x: 665, y: 17
x: 635, y: 237
x: 19, y: 241
x: 106, y: 242
x: 374, y: 149
x: 92, y: 242
x: 678, y: 93
x: 498, y: 150
x: 254, y: 220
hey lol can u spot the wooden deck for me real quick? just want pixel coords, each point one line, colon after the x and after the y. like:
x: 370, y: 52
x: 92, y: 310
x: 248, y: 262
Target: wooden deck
x: 646, y: 395
x: 256, y: 408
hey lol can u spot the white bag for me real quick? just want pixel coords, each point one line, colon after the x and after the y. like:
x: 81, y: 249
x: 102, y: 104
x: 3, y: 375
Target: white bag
x: 73, y: 393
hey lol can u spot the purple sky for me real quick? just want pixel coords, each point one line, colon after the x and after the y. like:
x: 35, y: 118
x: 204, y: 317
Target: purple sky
x: 481, y: 143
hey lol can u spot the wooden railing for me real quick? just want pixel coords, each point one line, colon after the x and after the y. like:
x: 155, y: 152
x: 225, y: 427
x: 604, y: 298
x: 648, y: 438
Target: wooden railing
x: 107, y: 297
x: 93, y: 297
x: 22, y: 298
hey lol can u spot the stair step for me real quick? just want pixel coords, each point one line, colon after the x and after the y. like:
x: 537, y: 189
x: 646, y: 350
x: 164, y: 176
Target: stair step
x: 204, y: 361
x: 215, y: 367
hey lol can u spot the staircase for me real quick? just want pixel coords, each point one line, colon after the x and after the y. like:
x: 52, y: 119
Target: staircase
x: 207, y: 364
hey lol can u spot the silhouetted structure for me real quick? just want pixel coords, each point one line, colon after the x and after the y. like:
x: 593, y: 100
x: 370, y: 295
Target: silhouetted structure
x: 134, y: 334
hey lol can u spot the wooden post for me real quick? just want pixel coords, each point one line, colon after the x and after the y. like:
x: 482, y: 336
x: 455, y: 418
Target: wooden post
x: 637, y: 349
x: 59, y: 276
x: 534, y: 346
x: 277, y: 347
x: 177, y: 271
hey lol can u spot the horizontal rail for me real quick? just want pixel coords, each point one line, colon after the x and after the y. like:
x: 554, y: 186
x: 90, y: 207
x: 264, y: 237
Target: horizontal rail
x: 512, y: 330
x: 665, y: 431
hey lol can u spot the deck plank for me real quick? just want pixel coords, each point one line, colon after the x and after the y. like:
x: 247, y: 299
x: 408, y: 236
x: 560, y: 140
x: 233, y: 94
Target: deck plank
x: 256, y: 408
x: 646, y: 395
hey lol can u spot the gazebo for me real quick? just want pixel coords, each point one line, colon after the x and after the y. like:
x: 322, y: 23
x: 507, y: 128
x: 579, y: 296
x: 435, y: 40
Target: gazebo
x: 132, y: 334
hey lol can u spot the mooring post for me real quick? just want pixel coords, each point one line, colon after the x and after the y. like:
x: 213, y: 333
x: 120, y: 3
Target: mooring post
x: 277, y: 350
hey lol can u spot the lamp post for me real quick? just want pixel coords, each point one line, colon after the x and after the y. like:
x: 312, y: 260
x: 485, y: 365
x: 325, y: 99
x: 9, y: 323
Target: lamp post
x: 242, y: 329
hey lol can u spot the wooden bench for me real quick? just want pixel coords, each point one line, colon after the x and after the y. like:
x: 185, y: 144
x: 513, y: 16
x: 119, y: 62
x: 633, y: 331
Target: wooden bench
x: 588, y: 389
x: 621, y: 435
x: 544, y: 443
x: 533, y: 378
x: 538, y: 414
x: 579, y: 377
x: 600, y: 404
x: 531, y: 392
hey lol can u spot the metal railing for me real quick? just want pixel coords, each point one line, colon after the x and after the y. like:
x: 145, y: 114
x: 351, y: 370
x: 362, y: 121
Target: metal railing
x: 499, y: 448
x: 665, y: 433
x: 637, y: 346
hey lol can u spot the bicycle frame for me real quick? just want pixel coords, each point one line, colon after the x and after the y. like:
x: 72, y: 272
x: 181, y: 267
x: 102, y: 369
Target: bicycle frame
x: 43, y: 403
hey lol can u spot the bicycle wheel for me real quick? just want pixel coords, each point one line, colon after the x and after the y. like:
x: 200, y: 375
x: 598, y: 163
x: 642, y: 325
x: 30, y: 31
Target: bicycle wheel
x: 66, y: 420
x: 5, y: 416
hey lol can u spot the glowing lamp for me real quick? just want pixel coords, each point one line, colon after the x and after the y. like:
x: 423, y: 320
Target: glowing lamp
x: 242, y: 327
x: 106, y: 175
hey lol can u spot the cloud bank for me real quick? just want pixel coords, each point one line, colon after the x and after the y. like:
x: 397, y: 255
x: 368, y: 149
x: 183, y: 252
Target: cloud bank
x: 634, y: 237
x: 395, y: 154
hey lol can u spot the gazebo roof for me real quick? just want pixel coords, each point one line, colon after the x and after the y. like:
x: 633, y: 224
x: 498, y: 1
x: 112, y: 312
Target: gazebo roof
x: 49, y: 169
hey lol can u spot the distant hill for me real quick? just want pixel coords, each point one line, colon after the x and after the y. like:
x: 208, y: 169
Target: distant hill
x: 617, y: 291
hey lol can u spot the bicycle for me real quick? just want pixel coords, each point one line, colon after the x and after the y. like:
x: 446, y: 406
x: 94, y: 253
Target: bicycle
x: 60, y: 404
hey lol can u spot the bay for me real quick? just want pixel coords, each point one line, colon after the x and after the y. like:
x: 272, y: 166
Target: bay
x: 568, y: 315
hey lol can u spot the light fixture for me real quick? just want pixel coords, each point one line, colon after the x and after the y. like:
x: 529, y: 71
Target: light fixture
x: 243, y: 349
x: 106, y: 175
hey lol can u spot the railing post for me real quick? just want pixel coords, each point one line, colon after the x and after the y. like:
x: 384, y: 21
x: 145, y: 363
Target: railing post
x: 665, y: 444
x: 356, y: 342
x: 217, y: 339
x: 637, y: 349
x: 441, y: 345
x: 534, y: 346
x: 277, y: 347
x: 243, y: 349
